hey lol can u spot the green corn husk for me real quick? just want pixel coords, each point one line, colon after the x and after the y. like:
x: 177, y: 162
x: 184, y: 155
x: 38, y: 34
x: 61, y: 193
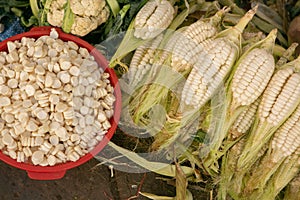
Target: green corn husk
x: 281, y: 178
x: 68, y: 18
x: 229, y: 160
x: 231, y: 111
x: 164, y: 169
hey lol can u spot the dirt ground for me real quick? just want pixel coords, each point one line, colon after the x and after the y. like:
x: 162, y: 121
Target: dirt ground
x: 82, y: 183
x: 85, y: 182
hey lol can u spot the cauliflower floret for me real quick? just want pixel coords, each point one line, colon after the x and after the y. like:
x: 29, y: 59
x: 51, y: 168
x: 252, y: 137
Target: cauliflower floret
x: 88, y: 14
x: 56, y: 13
x: 83, y: 7
x: 55, y: 18
x: 83, y: 25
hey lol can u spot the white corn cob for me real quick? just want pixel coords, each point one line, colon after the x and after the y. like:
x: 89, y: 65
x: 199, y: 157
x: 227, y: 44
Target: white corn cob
x: 142, y: 60
x: 191, y: 41
x: 213, y: 64
x: 252, y: 76
x: 279, y: 100
x: 168, y: 48
x: 286, y: 139
x: 280, y: 97
x: 285, y: 142
x: 154, y: 17
x: 244, y: 121
x: 253, y: 72
x: 241, y: 126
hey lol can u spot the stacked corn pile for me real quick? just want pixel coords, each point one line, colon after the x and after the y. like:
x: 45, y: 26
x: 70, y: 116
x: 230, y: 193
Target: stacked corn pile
x: 215, y: 99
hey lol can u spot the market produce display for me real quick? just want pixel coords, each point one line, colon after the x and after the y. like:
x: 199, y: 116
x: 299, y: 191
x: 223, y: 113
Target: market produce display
x: 214, y: 85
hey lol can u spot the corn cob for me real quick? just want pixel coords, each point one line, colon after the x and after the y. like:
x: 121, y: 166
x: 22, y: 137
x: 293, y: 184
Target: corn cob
x: 171, y: 44
x: 292, y: 192
x: 192, y: 40
x: 244, y: 121
x: 142, y: 61
x: 174, y: 78
x: 213, y: 64
x: 279, y: 100
x: 282, y: 93
x: 286, y: 139
x: 154, y: 17
x: 245, y: 86
x: 284, y: 143
x: 253, y: 73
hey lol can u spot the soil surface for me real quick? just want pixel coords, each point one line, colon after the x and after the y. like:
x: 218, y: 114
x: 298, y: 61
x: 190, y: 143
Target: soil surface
x: 86, y: 182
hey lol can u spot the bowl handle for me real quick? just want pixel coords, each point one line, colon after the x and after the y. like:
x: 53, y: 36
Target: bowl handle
x: 46, y: 175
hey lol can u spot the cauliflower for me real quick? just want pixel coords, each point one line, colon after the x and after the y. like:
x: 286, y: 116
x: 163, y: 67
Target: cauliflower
x: 78, y: 17
x: 56, y: 13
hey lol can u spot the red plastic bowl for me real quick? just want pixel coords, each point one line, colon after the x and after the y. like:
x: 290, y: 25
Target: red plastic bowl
x: 59, y: 170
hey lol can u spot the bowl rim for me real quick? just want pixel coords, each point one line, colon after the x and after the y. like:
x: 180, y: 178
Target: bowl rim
x: 37, y: 32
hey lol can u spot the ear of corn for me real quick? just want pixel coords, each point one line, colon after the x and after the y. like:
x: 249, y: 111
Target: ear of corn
x: 244, y: 121
x: 192, y: 40
x: 175, y: 74
x: 213, y: 64
x: 284, y: 143
x: 154, y: 17
x: 280, y: 97
x: 245, y: 87
x: 279, y: 100
x: 253, y: 72
x: 142, y: 61
x: 286, y: 139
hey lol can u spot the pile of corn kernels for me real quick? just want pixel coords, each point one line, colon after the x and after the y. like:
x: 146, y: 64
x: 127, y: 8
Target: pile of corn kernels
x: 55, y: 101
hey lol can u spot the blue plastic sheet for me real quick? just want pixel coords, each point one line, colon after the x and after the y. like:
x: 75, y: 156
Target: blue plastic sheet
x: 12, y: 27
